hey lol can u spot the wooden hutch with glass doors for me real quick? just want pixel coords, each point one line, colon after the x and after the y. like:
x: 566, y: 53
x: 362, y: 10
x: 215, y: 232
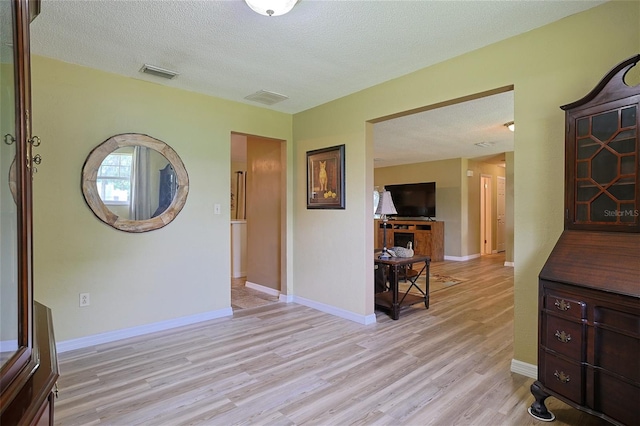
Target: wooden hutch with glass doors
x: 589, y: 288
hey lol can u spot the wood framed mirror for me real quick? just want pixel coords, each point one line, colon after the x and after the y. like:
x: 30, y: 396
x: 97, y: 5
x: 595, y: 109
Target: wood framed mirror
x: 134, y: 182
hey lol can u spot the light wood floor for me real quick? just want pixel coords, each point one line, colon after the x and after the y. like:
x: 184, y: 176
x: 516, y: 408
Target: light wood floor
x: 286, y: 364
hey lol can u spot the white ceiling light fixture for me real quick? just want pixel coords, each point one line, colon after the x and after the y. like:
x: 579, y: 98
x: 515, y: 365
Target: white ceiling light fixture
x: 271, y: 7
x: 510, y: 125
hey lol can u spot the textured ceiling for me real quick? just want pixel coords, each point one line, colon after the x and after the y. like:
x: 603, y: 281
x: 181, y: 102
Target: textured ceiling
x: 320, y: 51
x: 446, y: 132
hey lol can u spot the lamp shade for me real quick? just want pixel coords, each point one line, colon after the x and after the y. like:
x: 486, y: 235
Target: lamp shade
x: 271, y: 7
x: 385, y: 206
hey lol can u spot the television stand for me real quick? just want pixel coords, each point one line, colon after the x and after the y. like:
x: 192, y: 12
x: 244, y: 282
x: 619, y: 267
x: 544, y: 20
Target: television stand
x: 426, y: 235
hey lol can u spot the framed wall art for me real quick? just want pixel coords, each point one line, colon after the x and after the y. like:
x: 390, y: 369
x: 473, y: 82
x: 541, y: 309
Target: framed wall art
x: 325, y: 178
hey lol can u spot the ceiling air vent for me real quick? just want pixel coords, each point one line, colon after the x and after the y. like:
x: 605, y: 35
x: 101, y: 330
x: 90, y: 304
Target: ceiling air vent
x: 266, y: 97
x: 158, y: 72
x: 484, y: 144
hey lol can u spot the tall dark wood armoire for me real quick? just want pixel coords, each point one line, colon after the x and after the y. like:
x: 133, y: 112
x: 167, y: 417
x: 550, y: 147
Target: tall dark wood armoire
x: 589, y: 288
x: 28, y: 359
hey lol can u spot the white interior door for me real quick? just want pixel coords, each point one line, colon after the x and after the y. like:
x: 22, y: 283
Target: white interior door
x: 485, y: 214
x: 501, y: 229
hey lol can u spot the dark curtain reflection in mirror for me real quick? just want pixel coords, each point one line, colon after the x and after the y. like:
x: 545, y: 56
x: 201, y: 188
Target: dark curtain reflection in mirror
x: 167, y: 190
x: 134, y: 182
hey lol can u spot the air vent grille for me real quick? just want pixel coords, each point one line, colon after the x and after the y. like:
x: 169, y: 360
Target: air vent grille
x: 267, y: 98
x: 484, y: 144
x: 158, y: 72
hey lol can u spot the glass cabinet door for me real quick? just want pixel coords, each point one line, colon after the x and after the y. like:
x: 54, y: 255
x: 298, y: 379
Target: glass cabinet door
x: 606, y: 147
x: 8, y: 213
x: 18, y: 360
x: 602, y: 150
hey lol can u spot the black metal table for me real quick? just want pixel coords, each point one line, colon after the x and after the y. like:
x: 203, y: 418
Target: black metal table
x: 400, y: 267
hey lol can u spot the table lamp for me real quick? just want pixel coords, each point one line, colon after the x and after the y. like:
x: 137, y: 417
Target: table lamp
x: 385, y: 207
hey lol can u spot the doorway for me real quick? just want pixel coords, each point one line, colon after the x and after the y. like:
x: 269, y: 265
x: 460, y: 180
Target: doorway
x: 486, y: 213
x: 258, y: 208
x: 429, y: 143
x: 501, y: 223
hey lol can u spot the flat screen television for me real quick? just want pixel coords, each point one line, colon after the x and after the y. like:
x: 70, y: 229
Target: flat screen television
x: 414, y: 200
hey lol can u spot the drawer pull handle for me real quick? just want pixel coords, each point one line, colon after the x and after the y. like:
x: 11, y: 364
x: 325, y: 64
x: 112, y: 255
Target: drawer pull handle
x: 563, y: 378
x: 562, y: 305
x: 563, y: 337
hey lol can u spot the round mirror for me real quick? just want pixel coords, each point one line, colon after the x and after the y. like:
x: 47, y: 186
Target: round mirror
x: 134, y: 183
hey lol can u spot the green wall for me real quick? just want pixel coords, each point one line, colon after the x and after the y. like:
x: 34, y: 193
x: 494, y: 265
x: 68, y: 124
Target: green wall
x: 178, y: 271
x: 448, y: 177
x: 509, y: 175
x: 547, y: 67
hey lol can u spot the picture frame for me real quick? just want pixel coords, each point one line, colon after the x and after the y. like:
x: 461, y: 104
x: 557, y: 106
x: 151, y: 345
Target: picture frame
x: 325, y: 178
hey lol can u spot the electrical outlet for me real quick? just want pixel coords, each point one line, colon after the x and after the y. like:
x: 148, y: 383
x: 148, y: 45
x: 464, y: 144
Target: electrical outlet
x: 84, y: 299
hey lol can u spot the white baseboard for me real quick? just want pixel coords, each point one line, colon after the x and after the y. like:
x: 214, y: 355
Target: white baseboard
x: 462, y: 258
x: 342, y: 313
x: 268, y: 290
x: 111, y: 336
x: 239, y: 274
x: 524, y: 368
x: 510, y: 264
x: 286, y: 298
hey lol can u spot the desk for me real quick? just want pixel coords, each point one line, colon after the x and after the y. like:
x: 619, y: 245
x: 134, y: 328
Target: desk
x: 390, y: 299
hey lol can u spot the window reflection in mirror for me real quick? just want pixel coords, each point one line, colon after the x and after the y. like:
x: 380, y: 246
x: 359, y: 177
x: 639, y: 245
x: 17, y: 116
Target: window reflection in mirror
x: 129, y: 182
x: 8, y: 210
x: 114, y: 178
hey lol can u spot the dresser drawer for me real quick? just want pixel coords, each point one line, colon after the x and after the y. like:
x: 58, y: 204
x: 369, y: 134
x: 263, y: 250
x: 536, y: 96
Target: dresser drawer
x: 617, y: 343
x: 562, y: 336
x: 563, y: 377
x: 564, y: 305
x: 616, y: 398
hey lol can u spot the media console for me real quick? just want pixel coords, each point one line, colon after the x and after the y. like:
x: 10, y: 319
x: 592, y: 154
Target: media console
x: 427, y: 236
